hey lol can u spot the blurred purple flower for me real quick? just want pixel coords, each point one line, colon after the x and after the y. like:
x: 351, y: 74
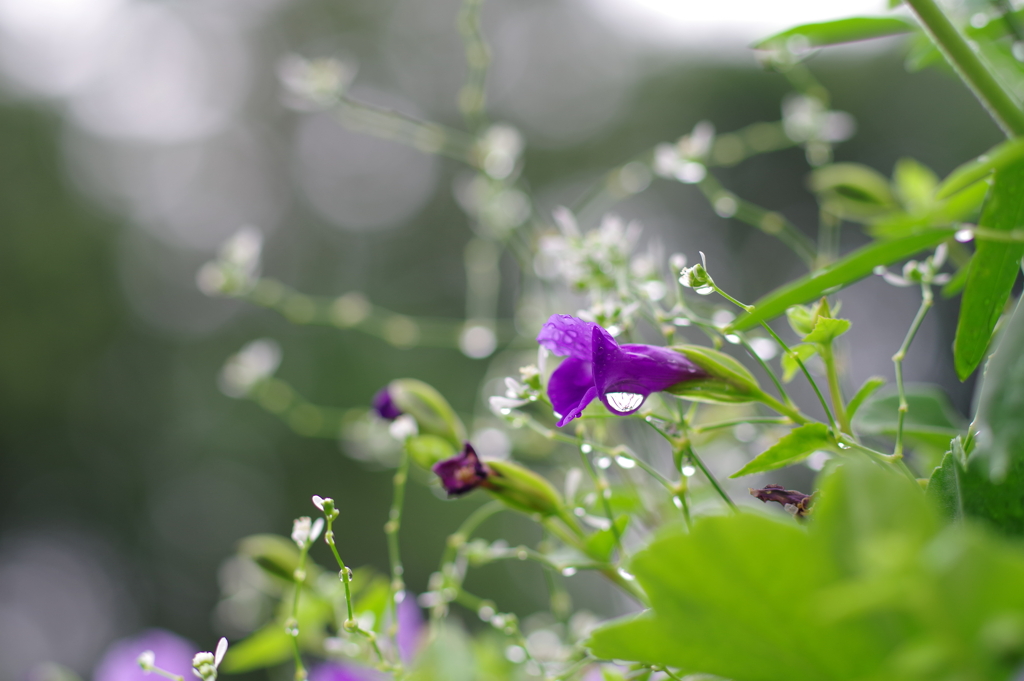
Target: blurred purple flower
x: 120, y: 662
x: 344, y: 671
x: 596, y: 366
x: 461, y: 473
x: 385, y: 406
x: 410, y: 628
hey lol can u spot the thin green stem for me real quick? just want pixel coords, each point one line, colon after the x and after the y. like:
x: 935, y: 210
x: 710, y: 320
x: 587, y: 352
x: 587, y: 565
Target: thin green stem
x: 166, y: 674
x: 835, y: 389
x: 391, y: 529
x: 692, y: 455
x: 345, y: 577
x: 897, y: 360
x: 969, y: 66
x: 766, y: 367
x: 718, y: 425
x: 473, y: 95
x: 602, y: 488
x: 291, y: 627
x: 807, y: 374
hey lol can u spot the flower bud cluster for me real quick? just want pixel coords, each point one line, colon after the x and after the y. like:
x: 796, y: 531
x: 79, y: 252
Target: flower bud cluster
x: 697, y: 278
x: 312, y: 84
x: 685, y: 160
x: 919, y: 273
x: 237, y: 267
x: 205, y: 665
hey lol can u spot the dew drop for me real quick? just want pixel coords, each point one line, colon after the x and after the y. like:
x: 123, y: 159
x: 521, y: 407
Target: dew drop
x: 586, y: 449
x: 732, y: 338
x: 625, y: 575
x: 604, y: 462
x: 843, y: 445
x: 624, y: 402
x: 625, y: 462
x: 485, y: 613
x: 568, y: 572
x: 521, y: 554
x: 681, y: 321
x: 345, y: 575
x: 678, y: 502
x: 964, y: 235
x: 689, y: 470
x: 505, y: 411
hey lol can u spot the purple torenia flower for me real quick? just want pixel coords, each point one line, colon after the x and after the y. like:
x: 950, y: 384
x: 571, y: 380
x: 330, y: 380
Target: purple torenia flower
x: 621, y: 376
x: 170, y: 652
x: 462, y: 473
x: 385, y: 406
x: 344, y: 671
x: 410, y: 628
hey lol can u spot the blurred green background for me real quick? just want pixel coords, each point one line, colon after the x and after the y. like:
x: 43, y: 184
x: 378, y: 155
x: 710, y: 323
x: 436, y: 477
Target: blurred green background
x: 126, y: 476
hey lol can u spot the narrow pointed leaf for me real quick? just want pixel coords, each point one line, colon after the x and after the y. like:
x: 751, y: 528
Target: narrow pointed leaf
x: 838, y: 32
x: 998, y: 157
x: 865, y: 391
x: 796, y: 446
x: 994, y: 269
x: 850, y: 269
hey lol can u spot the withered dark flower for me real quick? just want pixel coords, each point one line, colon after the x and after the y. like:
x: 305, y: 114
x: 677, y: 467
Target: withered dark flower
x: 462, y: 473
x: 797, y: 503
x: 385, y: 406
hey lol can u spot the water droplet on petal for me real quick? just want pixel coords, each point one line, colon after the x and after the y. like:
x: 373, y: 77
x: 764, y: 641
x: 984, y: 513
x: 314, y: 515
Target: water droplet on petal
x: 624, y: 402
x: 568, y: 572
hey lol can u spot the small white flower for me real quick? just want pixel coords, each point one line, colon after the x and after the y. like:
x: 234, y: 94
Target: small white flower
x: 255, y: 362
x: 301, y: 529
x: 316, y: 529
x: 147, y: 660
x: 222, y: 647
x: 318, y: 501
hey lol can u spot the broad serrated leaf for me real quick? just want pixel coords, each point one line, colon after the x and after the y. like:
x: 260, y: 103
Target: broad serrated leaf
x: 996, y: 158
x: 930, y: 419
x: 846, y: 271
x: 827, y: 329
x: 838, y: 32
x: 862, y: 394
x: 791, y: 448
x: 789, y: 364
x: 994, y: 269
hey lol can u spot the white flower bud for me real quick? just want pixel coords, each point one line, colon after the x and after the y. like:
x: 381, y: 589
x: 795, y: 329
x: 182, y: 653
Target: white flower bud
x: 147, y: 661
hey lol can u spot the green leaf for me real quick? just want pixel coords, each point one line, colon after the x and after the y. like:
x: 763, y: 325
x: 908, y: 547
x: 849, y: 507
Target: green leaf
x: 945, y: 486
x: 865, y: 391
x: 266, y: 647
x: 827, y: 329
x: 846, y: 271
x: 930, y: 420
x: 795, y: 446
x: 996, y: 158
x: 915, y: 185
x: 600, y: 544
x: 838, y: 32
x: 956, y: 208
x: 994, y: 269
x: 276, y: 555
x: 853, y: 191
x: 719, y: 595
x: 1000, y: 417
x: 789, y: 365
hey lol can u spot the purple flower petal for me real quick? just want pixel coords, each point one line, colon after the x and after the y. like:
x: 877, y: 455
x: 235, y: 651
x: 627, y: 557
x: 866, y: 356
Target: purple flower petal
x: 410, y: 628
x: 461, y: 473
x: 338, y: 671
x: 565, y: 335
x: 571, y: 389
x: 625, y: 375
x: 120, y: 662
x: 385, y: 406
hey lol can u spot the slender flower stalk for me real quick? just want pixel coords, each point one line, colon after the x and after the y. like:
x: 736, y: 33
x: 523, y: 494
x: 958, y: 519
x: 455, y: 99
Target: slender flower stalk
x: 927, y: 299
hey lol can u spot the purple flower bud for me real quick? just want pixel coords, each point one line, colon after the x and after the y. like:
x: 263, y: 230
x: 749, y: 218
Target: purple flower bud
x: 621, y: 376
x: 795, y: 502
x: 385, y: 406
x: 462, y: 473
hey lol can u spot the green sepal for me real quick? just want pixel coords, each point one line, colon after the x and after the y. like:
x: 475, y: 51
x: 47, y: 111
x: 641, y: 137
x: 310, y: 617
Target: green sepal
x: 827, y: 330
x: 426, y: 450
x: 522, y: 489
x: 432, y: 412
x: 727, y: 382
